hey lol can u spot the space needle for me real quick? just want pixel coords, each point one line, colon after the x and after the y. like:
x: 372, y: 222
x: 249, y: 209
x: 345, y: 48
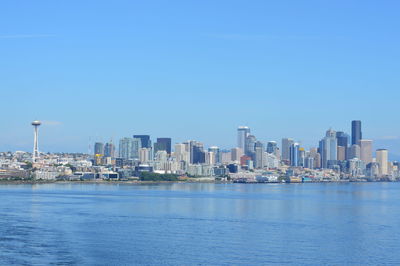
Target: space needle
x: 35, y: 154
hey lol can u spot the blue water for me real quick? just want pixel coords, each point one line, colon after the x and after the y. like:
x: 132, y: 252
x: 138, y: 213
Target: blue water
x: 197, y: 224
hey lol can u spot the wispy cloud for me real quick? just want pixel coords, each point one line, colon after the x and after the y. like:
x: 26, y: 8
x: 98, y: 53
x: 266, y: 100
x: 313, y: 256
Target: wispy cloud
x: 259, y: 37
x: 26, y: 36
x: 51, y: 123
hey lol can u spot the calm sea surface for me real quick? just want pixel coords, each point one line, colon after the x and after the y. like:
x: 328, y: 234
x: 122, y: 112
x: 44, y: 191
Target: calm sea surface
x: 192, y: 224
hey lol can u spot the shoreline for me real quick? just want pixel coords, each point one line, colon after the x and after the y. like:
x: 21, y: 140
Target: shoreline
x: 135, y: 182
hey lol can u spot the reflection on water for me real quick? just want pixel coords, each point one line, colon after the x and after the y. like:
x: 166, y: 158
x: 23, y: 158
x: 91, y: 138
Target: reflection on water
x: 109, y: 224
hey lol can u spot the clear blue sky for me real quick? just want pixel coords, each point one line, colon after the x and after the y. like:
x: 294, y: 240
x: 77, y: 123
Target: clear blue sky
x: 197, y: 70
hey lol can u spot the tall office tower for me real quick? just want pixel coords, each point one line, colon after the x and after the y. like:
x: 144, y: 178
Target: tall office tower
x: 342, y: 143
x: 144, y: 140
x: 99, y: 148
x: 294, y: 154
x: 250, y: 145
x: 272, y: 146
x: 98, y: 153
x: 259, y: 154
x: 109, y: 150
x: 342, y: 139
x: 216, y: 154
x: 180, y: 153
x: 145, y: 155
x: 187, y: 145
x: 301, y: 157
x: 317, y: 161
x: 236, y: 153
x: 382, y: 160
x: 35, y: 153
x: 366, y: 151
x: 209, y: 158
x: 285, y: 151
x: 163, y: 144
x: 356, y: 134
x: 242, y: 132
x: 129, y: 148
x: 226, y: 156
x: 354, y: 152
x: 341, y: 153
x: 309, y: 162
x: 313, y: 153
x: 328, y: 148
x: 197, y: 154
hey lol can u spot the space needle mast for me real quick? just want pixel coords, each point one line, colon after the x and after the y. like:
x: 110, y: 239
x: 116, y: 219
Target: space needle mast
x: 35, y: 154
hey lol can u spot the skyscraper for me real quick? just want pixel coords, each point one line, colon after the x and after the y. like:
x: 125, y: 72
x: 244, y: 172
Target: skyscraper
x: 197, y: 154
x: 250, y: 145
x: 286, y: 144
x: 301, y: 157
x: 259, y: 154
x: 355, y: 152
x: 356, y: 134
x: 366, y: 151
x: 341, y: 153
x: 294, y: 154
x: 328, y: 148
x: 242, y: 132
x: 215, y: 154
x: 342, y: 139
x: 180, y: 152
x: 109, y: 150
x: 144, y: 140
x: 144, y: 155
x: 129, y: 148
x: 342, y: 145
x: 163, y: 144
x: 272, y: 146
x: 236, y: 153
x: 382, y: 160
x: 99, y: 148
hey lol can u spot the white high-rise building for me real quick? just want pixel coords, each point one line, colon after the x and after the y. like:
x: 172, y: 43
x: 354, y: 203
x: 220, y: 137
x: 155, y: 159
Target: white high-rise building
x: 382, y: 160
x: 216, y: 154
x: 243, y: 132
x: 145, y: 155
x: 329, y: 148
x: 366, y: 151
x: 181, y: 152
x: 236, y: 153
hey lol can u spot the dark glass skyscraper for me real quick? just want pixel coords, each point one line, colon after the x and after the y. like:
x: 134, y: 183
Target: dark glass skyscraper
x: 99, y: 148
x: 356, y: 134
x: 144, y: 139
x: 163, y: 144
x: 342, y: 139
x: 197, y: 154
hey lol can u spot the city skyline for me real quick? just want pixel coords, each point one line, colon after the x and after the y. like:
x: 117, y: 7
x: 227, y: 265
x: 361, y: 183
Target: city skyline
x: 338, y: 156
x: 152, y: 139
x: 344, y: 146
